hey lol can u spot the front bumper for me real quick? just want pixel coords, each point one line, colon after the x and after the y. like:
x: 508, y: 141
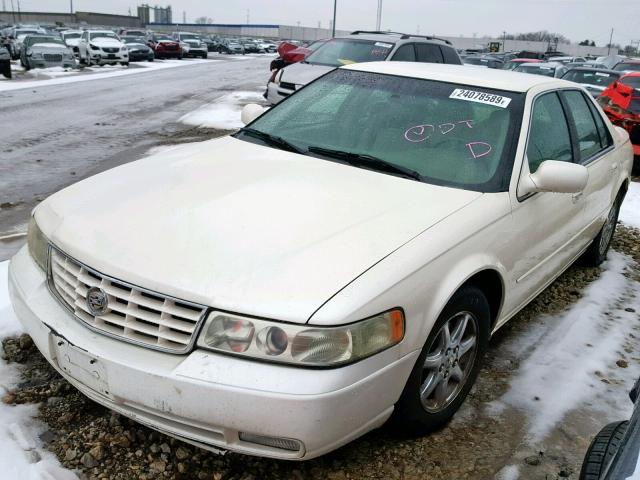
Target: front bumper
x: 195, y: 52
x: 204, y: 398
x: 102, y: 58
x: 138, y: 56
x: 38, y: 63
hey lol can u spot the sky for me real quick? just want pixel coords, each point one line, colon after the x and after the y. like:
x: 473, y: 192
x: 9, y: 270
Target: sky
x: 575, y: 19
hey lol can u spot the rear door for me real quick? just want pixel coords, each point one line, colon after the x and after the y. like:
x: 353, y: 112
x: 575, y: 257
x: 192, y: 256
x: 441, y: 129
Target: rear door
x: 594, y: 145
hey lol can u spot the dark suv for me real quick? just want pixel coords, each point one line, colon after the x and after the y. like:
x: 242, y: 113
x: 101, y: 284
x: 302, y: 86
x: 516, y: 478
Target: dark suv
x: 360, y: 46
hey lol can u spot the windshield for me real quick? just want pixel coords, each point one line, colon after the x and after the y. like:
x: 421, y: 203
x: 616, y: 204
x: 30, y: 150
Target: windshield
x: 634, y: 67
x: 95, y: 35
x: 546, y: 71
x: 446, y: 133
x: 34, y: 40
x: 188, y: 36
x: 163, y: 37
x: 339, y: 52
x: 476, y: 61
x: 598, y: 79
x: 633, y: 82
x: 137, y: 40
x: 72, y: 35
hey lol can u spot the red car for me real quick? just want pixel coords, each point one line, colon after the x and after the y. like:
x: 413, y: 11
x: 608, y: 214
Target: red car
x: 290, y: 53
x: 621, y: 103
x: 164, y: 46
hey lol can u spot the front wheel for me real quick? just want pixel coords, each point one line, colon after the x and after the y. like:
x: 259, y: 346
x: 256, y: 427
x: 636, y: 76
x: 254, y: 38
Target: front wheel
x: 448, y: 364
x: 596, y: 253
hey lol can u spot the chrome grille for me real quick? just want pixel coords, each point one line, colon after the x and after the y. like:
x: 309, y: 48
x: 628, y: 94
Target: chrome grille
x: 52, y: 57
x: 134, y: 314
x: 111, y: 49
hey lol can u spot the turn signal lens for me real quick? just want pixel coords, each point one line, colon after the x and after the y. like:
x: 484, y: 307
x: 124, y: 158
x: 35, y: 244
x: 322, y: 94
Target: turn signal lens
x: 37, y: 244
x: 301, y: 344
x: 229, y: 333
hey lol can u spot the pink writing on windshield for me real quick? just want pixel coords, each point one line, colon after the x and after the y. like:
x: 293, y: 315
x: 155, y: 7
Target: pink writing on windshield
x: 421, y: 133
x: 479, y: 149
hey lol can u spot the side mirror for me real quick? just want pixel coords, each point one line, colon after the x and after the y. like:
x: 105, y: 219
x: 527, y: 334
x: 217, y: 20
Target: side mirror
x: 555, y: 176
x: 250, y: 112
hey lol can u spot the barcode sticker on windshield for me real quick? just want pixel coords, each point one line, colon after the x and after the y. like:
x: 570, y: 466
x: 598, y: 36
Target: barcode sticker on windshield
x: 383, y: 45
x: 481, y: 97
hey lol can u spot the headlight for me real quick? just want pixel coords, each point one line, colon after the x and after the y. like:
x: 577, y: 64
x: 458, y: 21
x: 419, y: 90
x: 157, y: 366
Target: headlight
x: 93, y: 47
x: 303, y: 345
x: 125, y: 50
x: 37, y: 244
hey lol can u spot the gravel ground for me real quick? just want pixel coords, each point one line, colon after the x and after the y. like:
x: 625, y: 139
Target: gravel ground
x: 97, y: 443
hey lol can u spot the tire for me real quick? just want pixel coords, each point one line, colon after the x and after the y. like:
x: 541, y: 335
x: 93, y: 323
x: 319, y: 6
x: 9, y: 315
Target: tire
x: 6, y: 69
x: 124, y: 64
x: 602, y: 449
x: 596, y: 253
x: 414, y: 415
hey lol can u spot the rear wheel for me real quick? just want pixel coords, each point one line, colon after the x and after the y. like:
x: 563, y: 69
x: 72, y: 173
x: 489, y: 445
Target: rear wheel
x: 602, y: 449
x: 448, y: 364
x: 597, y: 251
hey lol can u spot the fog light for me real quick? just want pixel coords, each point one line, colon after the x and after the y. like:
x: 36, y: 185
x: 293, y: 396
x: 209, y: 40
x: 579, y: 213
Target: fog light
x: 275, y: 442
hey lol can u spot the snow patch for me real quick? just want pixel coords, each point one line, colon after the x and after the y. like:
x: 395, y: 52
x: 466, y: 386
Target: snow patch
x: 561, y: 356
x: 510, y: 472
x: 96, y: 73
x: 21, y: 452
x: 224, y: 113
x: 630, y: 210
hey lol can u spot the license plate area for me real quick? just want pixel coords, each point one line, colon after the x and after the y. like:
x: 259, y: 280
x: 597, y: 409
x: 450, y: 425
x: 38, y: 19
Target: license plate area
x: 111, y: 55
x: 80, y: 365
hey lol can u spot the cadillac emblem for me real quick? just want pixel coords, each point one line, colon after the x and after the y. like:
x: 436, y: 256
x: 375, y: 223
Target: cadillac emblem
x: 97, y: 301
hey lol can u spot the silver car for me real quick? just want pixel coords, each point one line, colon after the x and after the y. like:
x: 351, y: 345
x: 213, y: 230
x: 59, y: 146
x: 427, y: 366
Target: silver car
x: 44, y: 51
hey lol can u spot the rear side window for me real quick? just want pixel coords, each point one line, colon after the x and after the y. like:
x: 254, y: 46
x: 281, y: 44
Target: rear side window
x: 405, y: 53
x: 450, y: 56
x: 549, y: 137
x: 429, y: 53
x: 603, y: 131
x: 588, y: 136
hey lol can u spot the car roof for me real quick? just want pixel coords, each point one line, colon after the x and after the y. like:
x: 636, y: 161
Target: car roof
x: 594, y: 69
x: 464, y: 75
x: 542, y: 64
x: 393, y: 37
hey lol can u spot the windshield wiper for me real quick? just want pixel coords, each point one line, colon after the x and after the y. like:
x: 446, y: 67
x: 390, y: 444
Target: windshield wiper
x: 272, y: 140
x: 367, y: 161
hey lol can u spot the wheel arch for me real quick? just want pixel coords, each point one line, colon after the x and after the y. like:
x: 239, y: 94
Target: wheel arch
x: 491, y: 283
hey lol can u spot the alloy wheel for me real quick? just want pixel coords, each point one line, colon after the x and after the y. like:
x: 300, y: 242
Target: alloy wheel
x: 449, y: 361
x: 607, y: 229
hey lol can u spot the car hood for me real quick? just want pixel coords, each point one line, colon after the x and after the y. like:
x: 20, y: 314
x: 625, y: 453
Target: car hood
x: 72, y: 42
x: 48, y: 47
x: 137, y: 46
x: 303, y: 73
x: 106, y: 42
x: 242, y: 227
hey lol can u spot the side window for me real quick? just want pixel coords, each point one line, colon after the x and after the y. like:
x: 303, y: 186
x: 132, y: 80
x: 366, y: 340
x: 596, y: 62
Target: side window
x: 605, y: 136
x: 549, y: 137
x: 450, y: 56
x: 429, y: 53
x: 405, y: 53
x: 588, y: 136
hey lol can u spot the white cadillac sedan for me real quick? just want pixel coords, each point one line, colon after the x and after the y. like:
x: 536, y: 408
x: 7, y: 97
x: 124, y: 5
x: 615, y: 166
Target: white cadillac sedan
x: 343, y: 259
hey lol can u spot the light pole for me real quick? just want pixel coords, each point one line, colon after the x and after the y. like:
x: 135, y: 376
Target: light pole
x: 71, y: 7
x: 379, y: 17
x: 333, y: 28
